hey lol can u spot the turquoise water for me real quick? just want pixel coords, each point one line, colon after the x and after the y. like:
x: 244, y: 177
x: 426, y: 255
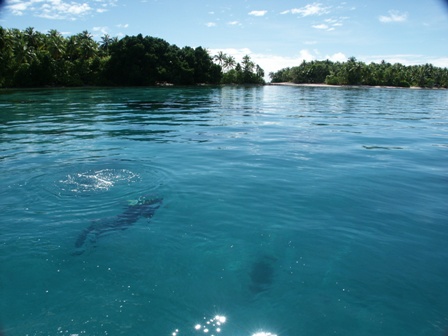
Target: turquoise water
x: 287, y: 210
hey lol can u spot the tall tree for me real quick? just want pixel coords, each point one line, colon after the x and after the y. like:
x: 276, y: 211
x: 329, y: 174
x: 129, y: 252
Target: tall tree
x: 229, y: 62
x: 220, y: 58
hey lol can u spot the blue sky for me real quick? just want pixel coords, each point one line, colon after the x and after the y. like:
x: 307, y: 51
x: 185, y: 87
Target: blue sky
x: 275, y: 33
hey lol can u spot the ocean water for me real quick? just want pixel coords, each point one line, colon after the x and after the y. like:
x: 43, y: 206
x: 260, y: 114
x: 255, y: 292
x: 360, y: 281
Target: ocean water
x: 286, y: 211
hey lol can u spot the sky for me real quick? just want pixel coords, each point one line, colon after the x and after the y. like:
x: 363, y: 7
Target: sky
x: 274, y: 33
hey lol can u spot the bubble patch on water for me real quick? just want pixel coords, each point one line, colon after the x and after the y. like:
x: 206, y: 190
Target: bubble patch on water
x: 96, y: 180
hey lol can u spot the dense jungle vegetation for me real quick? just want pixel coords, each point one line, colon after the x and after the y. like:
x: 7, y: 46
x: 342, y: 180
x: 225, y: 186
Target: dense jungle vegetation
x: 354, y: 72
x: 29, y: 58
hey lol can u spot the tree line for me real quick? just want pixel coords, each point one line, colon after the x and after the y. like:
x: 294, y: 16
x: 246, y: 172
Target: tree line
x: 29, y: 58
x: 353, y: 72
x: 246, y: 72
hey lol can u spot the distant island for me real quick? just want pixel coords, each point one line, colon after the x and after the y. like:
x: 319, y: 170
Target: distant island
x: 354, y: 72
x: 30, y: 59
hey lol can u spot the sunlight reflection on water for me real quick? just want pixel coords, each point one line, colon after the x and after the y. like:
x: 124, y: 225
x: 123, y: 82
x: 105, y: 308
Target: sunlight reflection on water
x: 214, y: 326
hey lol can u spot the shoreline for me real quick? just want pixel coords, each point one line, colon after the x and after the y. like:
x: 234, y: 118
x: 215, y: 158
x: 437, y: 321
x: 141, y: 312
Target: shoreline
x: 351, y: 86
x: 199, y: 85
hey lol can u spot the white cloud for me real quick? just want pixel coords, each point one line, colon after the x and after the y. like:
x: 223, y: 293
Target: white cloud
x: 211, y: 24
x: 310, y: 9
x: 306, y: 55
x: 234, y: 23
x: 335, y: 22
x: 330, y: 24
x: 102, y: 30
x: 58, y: 9
x: 394, y: 16
x: 338, y: 57
x: 258, y: 12
x: 439, y: 62
x: 321, y: 26
x: 18, y: 7
x: 126, y: 25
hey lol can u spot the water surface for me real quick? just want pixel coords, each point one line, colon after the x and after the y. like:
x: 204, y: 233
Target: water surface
x: 295, y: 211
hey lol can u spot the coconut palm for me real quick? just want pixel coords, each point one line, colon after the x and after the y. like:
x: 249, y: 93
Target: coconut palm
x: 220, y: 57
x: 229, y: 62
x: 56, y: 44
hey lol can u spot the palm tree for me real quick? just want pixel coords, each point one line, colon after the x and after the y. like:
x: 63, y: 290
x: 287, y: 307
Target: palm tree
x: 248, y: 65
x: 220, y: 57
x: 22, y: 53
x: 88, y: 46
x: 259, y: 71
x: 6, y: 56
x: 55, y: 44
x: 106, y: 41
x: 33, y: 39
x: 229, y: 62
x: 6, y: 44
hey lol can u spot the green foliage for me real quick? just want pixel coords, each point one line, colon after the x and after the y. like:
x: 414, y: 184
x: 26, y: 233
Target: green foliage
x: 32, y: 59
x: 246, y: 72
x: 353, y: 72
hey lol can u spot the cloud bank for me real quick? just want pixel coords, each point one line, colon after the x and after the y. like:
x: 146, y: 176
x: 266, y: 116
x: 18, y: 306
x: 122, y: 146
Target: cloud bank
x: 58, y: 9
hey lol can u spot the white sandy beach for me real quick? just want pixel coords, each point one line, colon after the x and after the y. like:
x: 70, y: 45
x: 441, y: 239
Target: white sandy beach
x: 352, y: 86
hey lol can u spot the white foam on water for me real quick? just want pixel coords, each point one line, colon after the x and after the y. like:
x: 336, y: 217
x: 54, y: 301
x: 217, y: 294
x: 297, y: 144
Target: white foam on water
x: 97, y: 180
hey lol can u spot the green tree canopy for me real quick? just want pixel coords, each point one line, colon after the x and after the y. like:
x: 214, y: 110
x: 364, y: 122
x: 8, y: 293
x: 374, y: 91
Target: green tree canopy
x: 246, y: 72
x: 32, y: 59
x: 354, y: 72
